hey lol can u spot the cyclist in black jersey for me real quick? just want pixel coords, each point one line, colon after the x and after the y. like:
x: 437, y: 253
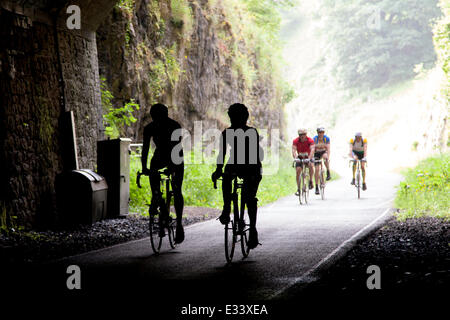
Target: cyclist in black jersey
x: 244, y: 161
x: 162, y: 129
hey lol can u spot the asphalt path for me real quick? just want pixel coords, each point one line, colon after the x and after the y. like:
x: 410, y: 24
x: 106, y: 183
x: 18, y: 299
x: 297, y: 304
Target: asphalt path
x: 296, y: 239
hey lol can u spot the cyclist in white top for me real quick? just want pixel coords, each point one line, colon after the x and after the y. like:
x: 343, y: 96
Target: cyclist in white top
x: 358, y: 151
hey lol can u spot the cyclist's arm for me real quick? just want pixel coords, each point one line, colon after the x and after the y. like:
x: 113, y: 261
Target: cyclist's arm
x: 260, y: 149
x: 350, y: 154
x: 328, y: 148
x: 294, y: 151
x: 311, y: 152
x: 365, y: 149
x: 145, y: 148
x: 222, y: 152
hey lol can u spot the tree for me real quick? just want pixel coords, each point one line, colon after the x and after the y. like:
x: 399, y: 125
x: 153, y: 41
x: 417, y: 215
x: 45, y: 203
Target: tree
x: 378, y: 42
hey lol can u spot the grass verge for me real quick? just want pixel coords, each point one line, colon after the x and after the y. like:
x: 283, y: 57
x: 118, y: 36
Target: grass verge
x: 425, y: 190
x: 198, y: 188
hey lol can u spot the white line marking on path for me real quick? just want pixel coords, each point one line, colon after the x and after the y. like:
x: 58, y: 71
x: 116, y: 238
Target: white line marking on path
x: 308, y: 275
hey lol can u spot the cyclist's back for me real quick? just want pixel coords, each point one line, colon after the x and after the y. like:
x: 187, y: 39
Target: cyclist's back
x: 244, y: 161
x: 161, y: 130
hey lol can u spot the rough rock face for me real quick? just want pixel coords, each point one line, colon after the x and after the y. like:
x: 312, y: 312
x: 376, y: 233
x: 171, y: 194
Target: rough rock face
x: 199, y: 83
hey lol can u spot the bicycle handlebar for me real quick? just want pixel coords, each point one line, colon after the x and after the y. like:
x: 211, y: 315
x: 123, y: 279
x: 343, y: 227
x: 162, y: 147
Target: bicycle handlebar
x: 353, y: 160
x: 138, y: 179
x: 296, y: 160
x: 215, y: 183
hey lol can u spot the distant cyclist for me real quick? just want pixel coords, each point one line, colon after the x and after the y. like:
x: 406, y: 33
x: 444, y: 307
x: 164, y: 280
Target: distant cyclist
x: 161, y: 130
x: 303, y: 148
x: 358, y: 151
x: 322, y: 150
x: 244, y: 161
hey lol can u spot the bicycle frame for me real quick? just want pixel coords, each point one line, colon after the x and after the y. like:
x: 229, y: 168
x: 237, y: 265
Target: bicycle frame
x: 161, y: 218
x: 358, y: 175
x: 302, y: 182
x: 236, y: 226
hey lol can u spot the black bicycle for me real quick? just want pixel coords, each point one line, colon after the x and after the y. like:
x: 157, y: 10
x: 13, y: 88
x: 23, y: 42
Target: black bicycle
x: 303, y: 180
x: 159, y: 218
x: 237, y: 229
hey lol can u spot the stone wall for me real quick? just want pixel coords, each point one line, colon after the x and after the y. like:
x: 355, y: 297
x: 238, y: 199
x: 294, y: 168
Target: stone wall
x: 29, y: 117
x: 82, y: 92
x: 44, y: 71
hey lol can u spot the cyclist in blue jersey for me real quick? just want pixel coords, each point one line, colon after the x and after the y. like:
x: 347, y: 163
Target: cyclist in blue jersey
x: 321, y: 150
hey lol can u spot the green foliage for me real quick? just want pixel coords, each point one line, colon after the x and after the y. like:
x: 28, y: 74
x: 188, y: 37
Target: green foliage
x: 250, y: 38
x: 442, y: 44
x: 198, y: 188
x: 425, y: 191
x: 164, y: 71
x: 127, y: 5
x: 115, y: 119
x: 366, y: 54
x: 8, y: 223
x: 172, y: 66
x: 288, y: 92
x: 182, y: 15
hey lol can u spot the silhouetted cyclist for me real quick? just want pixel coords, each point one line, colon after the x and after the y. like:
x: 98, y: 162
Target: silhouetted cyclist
x: 164, y: 132
x: 244, y: 161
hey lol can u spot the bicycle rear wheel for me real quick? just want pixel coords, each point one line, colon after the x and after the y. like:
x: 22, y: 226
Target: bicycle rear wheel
x: 155, y: 240
x: 172, y: 224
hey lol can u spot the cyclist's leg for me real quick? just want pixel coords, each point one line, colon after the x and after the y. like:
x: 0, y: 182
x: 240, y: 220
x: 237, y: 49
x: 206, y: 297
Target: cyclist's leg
x: 177, y: 183
x: 249, y: 191
x: 363, y: 171
x: 327, y: 164
x: 311, y: 174
x: 354, y: 167
x: 155, y: 180
x: 227, y: 179
x: 316, y: 167
x: 298, y: 168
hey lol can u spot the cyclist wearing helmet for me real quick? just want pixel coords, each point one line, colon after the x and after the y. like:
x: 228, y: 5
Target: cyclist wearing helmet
x: 244, y: 161
x: 358, y: 151
x: 161, y: 130
x: 303, y: 148
x: 322, y: 149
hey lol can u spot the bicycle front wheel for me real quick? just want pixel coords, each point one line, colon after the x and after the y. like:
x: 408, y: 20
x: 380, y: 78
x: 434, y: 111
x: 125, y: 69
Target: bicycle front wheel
x: 305, y: 189
x: 244, y: 243
x: 358, y: 185
x: 230, y: 240
x: 300, y: 187
x: 155, y: 240
x: 171, y: 232
x: 322, y: 185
